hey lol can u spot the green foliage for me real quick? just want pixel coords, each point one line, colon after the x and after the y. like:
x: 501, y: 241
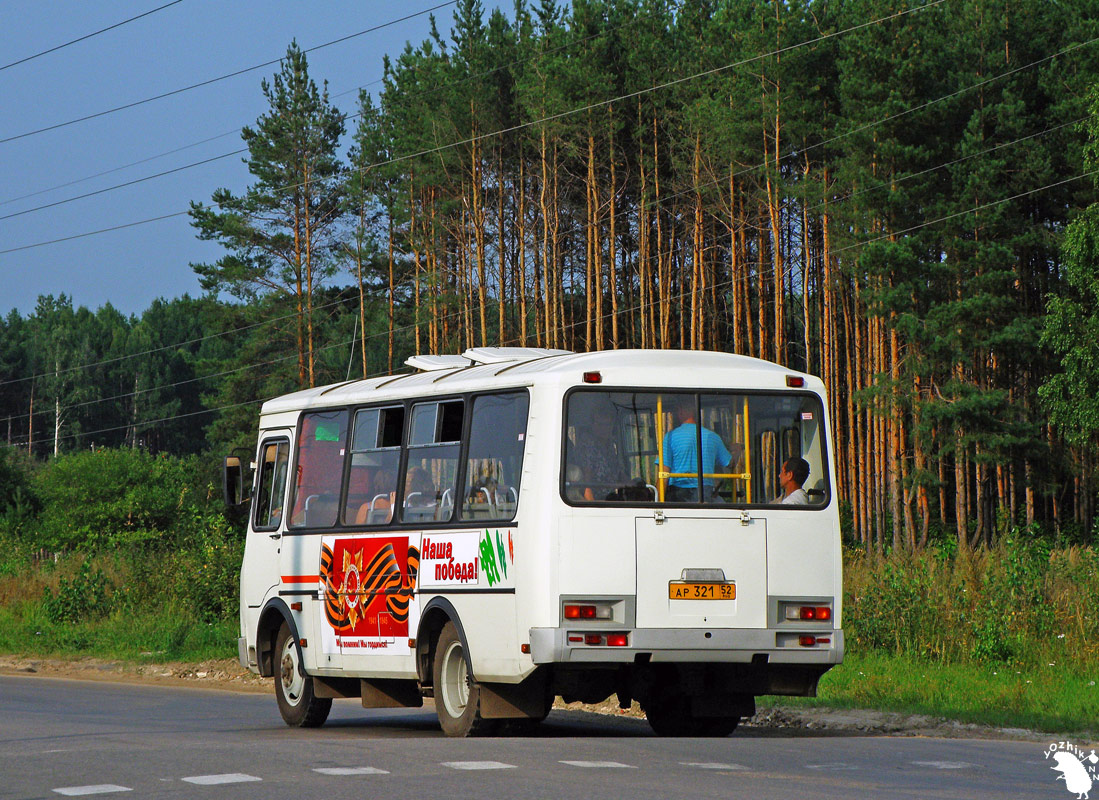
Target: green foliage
x: 83, y: 596
x: 1023, y: 602
x: 118, y: 498
x: 208, y: 569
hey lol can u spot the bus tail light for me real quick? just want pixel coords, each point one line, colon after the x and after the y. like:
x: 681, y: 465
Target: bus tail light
x: 807, y: 641
x: 816, y: 613
x: 593, y: 377
x: 585, y: 611
x: 795, y: 381
x: 593, y: 638
x: 618, y: 640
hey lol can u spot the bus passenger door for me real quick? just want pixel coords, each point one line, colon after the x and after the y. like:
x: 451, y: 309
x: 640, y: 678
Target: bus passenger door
x: 701, y: 572
x: 260, y: 573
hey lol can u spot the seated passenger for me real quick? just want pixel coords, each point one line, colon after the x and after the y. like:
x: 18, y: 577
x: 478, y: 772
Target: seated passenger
x: 419, y: 489
x: 791, y: 477
x: 595, y: 455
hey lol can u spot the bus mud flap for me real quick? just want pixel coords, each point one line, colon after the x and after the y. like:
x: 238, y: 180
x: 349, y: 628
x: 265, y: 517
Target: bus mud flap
x: 515, y: 700
x: 391, y: 693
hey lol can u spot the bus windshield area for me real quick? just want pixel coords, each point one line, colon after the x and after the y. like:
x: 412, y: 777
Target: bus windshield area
x: 675, y: 448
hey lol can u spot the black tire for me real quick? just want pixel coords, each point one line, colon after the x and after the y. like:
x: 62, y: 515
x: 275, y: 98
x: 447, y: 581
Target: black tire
x: 299, y: 706
x: 670, y: 715
x: 457, y: 695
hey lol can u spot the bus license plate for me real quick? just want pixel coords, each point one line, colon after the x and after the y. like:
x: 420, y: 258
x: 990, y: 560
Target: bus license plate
x: 690, y: 590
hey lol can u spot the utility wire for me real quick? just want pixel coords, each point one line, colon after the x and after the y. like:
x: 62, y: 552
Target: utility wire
x: 402, y: 329
x: 162, y: 348
x: 346, y: 117
x: 88, y: 36
x: 549, y: 118
x: 119, y: 169
x: 221, y: 77
x: 608, y: 315
x: 666, y: 198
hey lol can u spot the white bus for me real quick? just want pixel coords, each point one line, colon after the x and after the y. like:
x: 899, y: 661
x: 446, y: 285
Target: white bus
x: 503, y: 527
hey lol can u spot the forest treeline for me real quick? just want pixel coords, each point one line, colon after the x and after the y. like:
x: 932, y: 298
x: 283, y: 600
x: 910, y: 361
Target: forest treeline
x: 892, y: 195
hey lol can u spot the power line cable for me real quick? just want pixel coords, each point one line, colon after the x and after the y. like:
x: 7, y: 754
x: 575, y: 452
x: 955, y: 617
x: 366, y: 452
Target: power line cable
x: 608, y: 315
x: 666, y: 198
x: 120, y: 168
x: 549, y: 118
x: 162, y: 348
x: 220, y: 77
x: 88, y: 36
x: 686, y: 191
x: 402, y: 329
x: 346, y: 118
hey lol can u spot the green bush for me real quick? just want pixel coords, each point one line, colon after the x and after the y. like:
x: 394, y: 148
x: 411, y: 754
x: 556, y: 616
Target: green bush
x: 82, y: 597
x: 122, y: 498
x: 1023, y: 601
x: 208, y: 574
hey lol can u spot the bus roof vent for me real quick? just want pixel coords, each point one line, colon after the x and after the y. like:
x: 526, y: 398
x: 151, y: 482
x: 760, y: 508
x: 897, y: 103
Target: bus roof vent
x: 433, y: 363
x: 500, y: 355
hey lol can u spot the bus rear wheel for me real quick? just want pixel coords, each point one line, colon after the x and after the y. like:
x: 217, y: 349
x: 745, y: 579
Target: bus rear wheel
x: 457, y: 696
x: 670, y: 715
x: 299, y: 706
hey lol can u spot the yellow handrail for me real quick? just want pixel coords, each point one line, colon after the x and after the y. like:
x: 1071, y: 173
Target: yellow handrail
x: 663, y: 475
x: 660, y: 447
x: 747, y: 457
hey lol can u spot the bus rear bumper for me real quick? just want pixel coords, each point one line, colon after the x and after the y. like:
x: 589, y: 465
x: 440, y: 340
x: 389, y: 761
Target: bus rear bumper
x: 694, y: 645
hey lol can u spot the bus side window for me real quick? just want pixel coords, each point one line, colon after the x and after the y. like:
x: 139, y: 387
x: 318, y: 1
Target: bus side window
x: 431, y: 479
x: 272, y: 484
x: 319, y: 469
x: 497, y: 434
x: 375, y: 459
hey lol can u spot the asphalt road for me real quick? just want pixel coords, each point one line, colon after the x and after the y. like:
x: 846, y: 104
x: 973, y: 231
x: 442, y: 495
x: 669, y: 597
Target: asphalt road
x: 81, y: 738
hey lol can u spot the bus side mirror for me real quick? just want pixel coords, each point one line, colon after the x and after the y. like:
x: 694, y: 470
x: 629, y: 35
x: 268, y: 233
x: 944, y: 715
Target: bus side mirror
x: 232, y: 481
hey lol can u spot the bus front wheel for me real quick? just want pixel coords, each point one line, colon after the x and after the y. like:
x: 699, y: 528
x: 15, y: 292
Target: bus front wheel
x: 457, y: 696
x: 299, y: 706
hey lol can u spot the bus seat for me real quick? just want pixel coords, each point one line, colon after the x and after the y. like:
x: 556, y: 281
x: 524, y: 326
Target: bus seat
x: 381, y: 510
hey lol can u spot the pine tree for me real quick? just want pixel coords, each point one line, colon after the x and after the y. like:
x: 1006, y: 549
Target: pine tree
x: 281, y: 231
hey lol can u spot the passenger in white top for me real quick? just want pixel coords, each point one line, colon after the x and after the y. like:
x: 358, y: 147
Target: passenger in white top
x: 791, y: 477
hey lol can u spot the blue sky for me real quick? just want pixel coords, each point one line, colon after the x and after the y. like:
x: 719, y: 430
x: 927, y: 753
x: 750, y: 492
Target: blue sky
x: 186, y: 43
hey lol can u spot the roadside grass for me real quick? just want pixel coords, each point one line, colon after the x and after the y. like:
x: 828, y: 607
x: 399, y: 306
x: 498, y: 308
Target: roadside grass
x: 168, y: 633
x: 1050, y: 698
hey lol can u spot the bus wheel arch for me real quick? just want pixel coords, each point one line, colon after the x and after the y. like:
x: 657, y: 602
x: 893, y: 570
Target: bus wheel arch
x: 444, y: 660
x: 275, y: 614
x: 435, y: 615
x: 294, y: 690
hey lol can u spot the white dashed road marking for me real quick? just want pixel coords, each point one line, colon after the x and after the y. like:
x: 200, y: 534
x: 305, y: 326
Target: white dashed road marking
x: 350, y: 771
x: 599, y: 764
x: 102, y: 788
x: 834, y: 765
x: 215, y: 780
x: 944, y: 764
x: 711, y: 766
x: 478, y: 765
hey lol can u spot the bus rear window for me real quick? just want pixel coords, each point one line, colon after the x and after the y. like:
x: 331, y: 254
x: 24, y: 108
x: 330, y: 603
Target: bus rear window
x: 678, y: 447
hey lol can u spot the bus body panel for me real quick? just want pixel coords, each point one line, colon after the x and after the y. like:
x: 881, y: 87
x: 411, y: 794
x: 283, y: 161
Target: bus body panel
x: 689, y: 556
x: 556, y: 552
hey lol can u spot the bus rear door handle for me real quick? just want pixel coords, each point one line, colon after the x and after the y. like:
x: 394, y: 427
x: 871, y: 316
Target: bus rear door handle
x: 274, y: 536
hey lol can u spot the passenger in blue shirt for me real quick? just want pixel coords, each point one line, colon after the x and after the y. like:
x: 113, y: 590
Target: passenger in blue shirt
x: 681, y: 454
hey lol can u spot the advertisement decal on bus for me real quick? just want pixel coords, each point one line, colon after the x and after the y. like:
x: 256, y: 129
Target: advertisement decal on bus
x: 368, y: 588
